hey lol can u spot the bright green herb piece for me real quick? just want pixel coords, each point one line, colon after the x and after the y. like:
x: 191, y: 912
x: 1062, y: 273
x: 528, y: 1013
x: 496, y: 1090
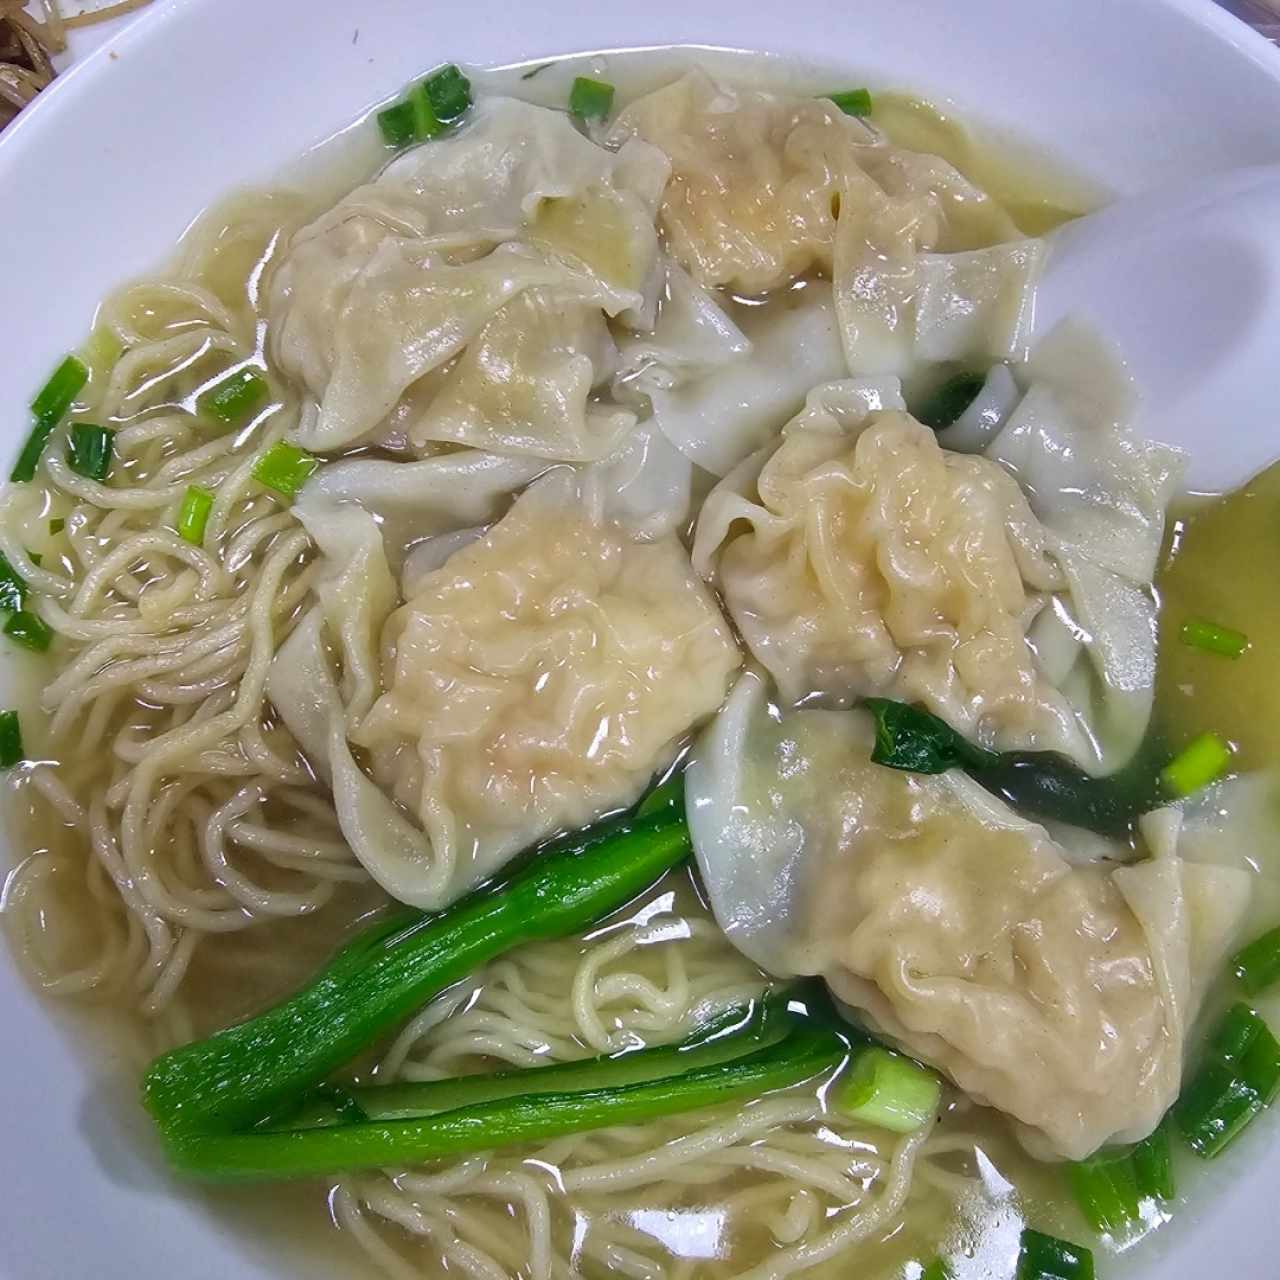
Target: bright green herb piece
x: 1106, y: 1189
x: 13, y: 588
x: 11, y: 749
x: 257, y: 1068
x: 1153, y: 1165
x: 426, y: 124
x: 193, y: 514
x: 1258, y: 965
x: 29, y: 630
x: 285, y: 468
x: 397, y: 124
x: 731, y: 1035
x: 1041, y: 783
x: 1202, y: 761
x: 89, y: 450
x: 669, y: 795
x: 57, y: 524
x: 591, y: 99
x: 449, y: 93
x: 853, y: 102
x: 936, y: 1270
x: 1238, y: 1079
x: 233, y: 399
x: 950, y: 400
x: 888, y: 1090
x: 1198, y: 633
x: 49, y: 407
x: 1045, y: 1257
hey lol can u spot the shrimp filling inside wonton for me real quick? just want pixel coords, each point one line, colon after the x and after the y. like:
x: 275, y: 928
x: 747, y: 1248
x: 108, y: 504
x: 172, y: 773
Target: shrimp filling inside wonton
x: 541, y: 676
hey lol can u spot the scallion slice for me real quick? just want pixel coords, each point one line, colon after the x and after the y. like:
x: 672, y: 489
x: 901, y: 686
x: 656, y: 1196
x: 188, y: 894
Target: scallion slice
x: 234, y: 398
x: 36, y: 558
x: 1198, y: 633
x: 57, y: 524
x: 1045, y: 1257
x: 29, y: 630
x: 89, y: 450
x: 853, y: 102
x: 1106, y: 1189
x: 1239, y: 1078
x: 49, y: 407
x: 1153, y: 1165
x: 285, y: 468
x: 397, y: 124
x: 449, y: 93
x: 1258, y: 965
x: 591, y: 99
x: 11, y: 749
x: 1202, y: 761
x: 13, y: 588
x: 193, y: 515
x: 889, y: 1091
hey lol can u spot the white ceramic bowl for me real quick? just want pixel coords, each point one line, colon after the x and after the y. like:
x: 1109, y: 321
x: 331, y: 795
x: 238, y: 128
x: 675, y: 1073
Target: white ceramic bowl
x: 200, y: 96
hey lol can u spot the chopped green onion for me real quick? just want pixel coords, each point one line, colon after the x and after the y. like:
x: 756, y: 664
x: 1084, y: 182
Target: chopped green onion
x: 590, y: 99
x: 853, y: 102
x: 669, y: 795
x: 889, y: 1091
x: 11, y: 749
x: 1106, y: 1189
x: 29, y: 630
x: 49, y: 407
x: 233, y: 399
x: 193, y: 515
x: 13, y: 588
x: 1209, y: 636
x: 936, y: 1270
x: 950, y: 400
x: 57, y: 524
x: 1258, y: 965
x: 449, y: 93
x: 397, y: 124
x: 1239, y: 1078
x: 1153, y: 1164
x: 1044, y: 1257
x: 284, y: 468
x: 89, y: 450
x: 1200, y: 762
x: 36, y: 558
x: 426, y: 124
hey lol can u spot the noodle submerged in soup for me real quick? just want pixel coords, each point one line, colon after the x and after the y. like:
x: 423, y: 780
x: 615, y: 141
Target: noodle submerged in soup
x: 563, y: 453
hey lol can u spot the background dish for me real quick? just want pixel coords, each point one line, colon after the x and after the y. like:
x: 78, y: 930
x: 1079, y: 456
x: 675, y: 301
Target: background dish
x: 1129, y: 97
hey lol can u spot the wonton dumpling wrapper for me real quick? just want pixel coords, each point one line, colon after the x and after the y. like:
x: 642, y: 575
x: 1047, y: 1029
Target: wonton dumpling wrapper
x: 540, y: 678
x: 859, y: 558
x: 1059, y: 993
x: 377, y: 296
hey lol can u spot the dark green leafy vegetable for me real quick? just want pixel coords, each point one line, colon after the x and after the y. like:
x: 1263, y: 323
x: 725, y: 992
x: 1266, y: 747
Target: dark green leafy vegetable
x: 1199, y: 633
x: 262, y: 1066
x: 1153, y: 1165
x: 11, y: 749
x: 29, y: 630
x: 853, y: 102
x: 89, y: 450
x: 1045, y: 1257
x: 1237, y: 1080
x: 13, y: 589
x: 805, y: 1053
x: 1106, y: 1189
x: 732, y: 1035
x: 49, y: 408
x: 1043, y: 784
x: 233, y: 399
x: 950, y: 400
x: 591, y: 99
x: 285, y: 468
x: 193, y: 515
x: 1258, y: 965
